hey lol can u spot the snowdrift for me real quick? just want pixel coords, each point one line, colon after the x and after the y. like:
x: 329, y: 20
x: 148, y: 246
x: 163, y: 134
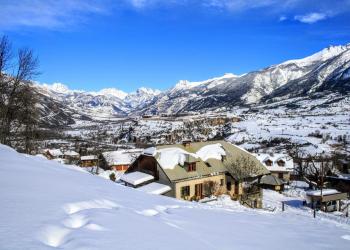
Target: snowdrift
x: 47, y: 205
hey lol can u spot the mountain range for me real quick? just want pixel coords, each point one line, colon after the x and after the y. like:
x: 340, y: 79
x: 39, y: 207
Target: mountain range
x: 323, y: 72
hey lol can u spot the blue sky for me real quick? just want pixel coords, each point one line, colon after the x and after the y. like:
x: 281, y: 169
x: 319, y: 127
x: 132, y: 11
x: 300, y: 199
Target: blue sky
x: 126, y: 44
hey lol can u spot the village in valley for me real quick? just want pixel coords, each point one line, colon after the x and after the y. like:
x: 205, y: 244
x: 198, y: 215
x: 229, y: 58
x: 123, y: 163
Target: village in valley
x: 194, y: 157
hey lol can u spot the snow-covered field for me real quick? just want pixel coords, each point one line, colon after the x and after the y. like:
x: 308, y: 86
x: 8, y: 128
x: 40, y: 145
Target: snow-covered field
x: 46, y: 205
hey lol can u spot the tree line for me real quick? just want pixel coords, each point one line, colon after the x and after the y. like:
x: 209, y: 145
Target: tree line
x: 18, y: 100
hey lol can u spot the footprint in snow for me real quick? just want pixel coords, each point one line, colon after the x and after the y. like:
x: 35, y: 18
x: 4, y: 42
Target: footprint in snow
x: 75, y: 221
x: 346, y: 237
x: 75, y: 207
x: 148, y: 212
x: 54, y: 236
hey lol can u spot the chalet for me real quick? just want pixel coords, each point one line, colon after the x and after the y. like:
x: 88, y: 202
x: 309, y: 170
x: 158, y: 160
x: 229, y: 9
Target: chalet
x: 272, y: 182
x: 194, y: 170
x: 328, y: 200
x: 119, y: 160
x: 71, y: 157
x: 280, y: 165
x: 53, y: 153
x: 89, y: 161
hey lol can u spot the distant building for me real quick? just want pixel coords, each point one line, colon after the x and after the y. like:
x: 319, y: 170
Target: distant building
x: 197, y: 170
x: 71, y: 157
x: 328, y: 200
x: 89, y: 161
x: 119, y: 160
x: 53, y: 153
x: 272, y: 182
x: 280, y: 165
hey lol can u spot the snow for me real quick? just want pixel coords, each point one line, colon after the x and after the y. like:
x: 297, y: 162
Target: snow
x: 170, y: 157
x: 71, y: 153
x: 136, y: 178
x: 212, y: 151
x: 289, y: 165
x: 55, y: 152
x: 173, y: 156
x: 45, y: 205
x: 121, y: 157
x: 88, y: 157
x: 155, y: 188
x: 106, y: 173
x: 113, y: 92
x: 324, y: 192
x: 322, y: 55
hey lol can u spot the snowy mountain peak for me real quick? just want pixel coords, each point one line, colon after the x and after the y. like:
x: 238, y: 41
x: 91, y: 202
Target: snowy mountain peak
x: 57, y: 87
x: 112, y: 92
x: 321, y: 56
x: 185, y: 84
x: 149, y: 91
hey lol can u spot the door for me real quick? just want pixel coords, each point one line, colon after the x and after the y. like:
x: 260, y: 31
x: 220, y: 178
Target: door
x: 236, y: 187
x: 199, y: 190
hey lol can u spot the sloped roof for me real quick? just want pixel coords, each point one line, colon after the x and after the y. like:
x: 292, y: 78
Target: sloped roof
x: 136, y: 178
x: 208, y: 167
x: 155, y: 188
x: 121, y: 157
x: 271, y: 180
x: 88, y: 157
x: 274, y: 158
x: 55, y: 152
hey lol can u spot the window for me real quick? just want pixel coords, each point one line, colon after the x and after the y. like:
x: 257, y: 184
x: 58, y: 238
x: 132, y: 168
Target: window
x: 221, y: 182
x: 268, y: 163
x: 191, y: 166
x: 185, y: 191
x: 280, y: 175
x: 281, y: 163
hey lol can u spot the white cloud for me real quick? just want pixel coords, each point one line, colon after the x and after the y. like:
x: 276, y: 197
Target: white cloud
x: 46, y: 13
x: 311, y: 17
x: 282, y: 18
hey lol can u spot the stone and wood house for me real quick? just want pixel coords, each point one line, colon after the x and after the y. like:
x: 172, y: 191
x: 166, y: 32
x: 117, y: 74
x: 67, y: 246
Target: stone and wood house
x: 194, y: 170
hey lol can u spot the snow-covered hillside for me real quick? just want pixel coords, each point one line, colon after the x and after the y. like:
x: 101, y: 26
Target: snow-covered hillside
x: 326, y: 70
x: 46, y: 205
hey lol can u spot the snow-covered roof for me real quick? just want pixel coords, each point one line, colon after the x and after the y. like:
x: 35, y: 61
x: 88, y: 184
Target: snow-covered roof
x: 136, y: 178
x: 55, y: 152
x: 88, y: 157
x: 324, y: 192
x: 274, y: 158
x: 71, y: 153
x: 155, y: 188
x: 173, y: 156
x: 121, y: 157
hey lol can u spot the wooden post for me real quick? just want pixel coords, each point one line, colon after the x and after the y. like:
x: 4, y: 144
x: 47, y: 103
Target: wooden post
x: 282, y: 206
x: 315, y: 212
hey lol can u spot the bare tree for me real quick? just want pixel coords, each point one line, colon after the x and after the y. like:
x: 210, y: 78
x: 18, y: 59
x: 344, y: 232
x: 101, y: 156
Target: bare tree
x: 17, y: 101
x: 318, y: 167
x: 242, y: 167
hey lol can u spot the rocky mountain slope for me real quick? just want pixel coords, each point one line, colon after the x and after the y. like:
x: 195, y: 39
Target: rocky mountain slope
x: 327, y: 70
x: 317, y: 75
